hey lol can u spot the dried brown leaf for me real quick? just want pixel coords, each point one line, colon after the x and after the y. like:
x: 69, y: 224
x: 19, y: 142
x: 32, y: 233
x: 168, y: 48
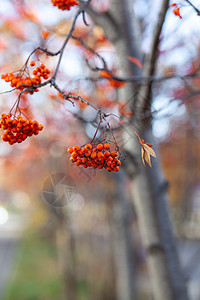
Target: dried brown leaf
x: 147, y: 158
x: 142, y: 155
x: 149, y: 150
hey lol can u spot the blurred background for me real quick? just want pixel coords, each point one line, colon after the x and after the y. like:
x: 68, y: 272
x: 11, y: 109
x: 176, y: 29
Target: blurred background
x: 65, y: 233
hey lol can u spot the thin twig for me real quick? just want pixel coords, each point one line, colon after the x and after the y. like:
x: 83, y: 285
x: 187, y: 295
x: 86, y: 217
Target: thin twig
x: 196, y: 9
x: 81, y: 10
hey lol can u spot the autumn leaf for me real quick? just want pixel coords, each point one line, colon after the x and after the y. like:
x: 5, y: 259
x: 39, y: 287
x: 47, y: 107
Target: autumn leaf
x: 135, y: 61
x: 146, y: 152
x: 45, y: 34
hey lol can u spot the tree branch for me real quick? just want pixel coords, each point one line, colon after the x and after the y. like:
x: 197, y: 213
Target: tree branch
x: 150, y: 60
x: 106, y: 21
x: 81, y: 10
x: 196, y: 9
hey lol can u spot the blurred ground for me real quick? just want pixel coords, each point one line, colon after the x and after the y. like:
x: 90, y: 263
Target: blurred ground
x: 29, y: 268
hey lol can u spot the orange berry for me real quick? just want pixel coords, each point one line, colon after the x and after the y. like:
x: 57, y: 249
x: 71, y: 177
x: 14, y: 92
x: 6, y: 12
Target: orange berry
x: 78, y: 162
x: 100, y: 155
x: 84, y: 160
x: 100, y: 147
x: 72, y: 159
x: 76, y: 148
x: 38, y: 69
x: 9, y: 122
x: 83, y: 150
x: 19, y: 125
x: 7, y: 132
x: 35, y: 123
x: 45, y: 76
x: 87, y: 153
x: 3, y: 116
x: 40, y: 127
x: 106, y: 154
x: 88, y: 146
x: 74, y: 155
x: 28, y: 82
x: 108, y: 163
x: 99, y: 167
x: 109, y: 158
x: 116, y: 169
x: 93, y: 154
x: 70, y: 150
x: 4, y: 137
x: 114, y: 153
x: 118, y: 162
x: 18, y: 83
x: 106, y: 146
x: 32, y: 63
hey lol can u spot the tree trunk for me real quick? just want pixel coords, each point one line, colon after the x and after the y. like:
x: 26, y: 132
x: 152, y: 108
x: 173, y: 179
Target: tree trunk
x: 66, y: 254
x: 122, y: 241
x: 149, y: 187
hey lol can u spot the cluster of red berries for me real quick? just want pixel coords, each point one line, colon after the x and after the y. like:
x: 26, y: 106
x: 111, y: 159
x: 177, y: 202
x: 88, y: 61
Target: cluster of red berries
x: 96, y: 156
x: 18, y: 81
x: 176, y: 10
x: 64, y: 4
x: 17, y: 129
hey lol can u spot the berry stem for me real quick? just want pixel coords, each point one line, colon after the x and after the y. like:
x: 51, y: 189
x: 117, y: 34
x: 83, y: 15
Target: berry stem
x: 111, y: 114
x: 97, y: 129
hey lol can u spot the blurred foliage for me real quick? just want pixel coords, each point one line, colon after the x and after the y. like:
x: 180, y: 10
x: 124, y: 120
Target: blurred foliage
x: 37, y: 276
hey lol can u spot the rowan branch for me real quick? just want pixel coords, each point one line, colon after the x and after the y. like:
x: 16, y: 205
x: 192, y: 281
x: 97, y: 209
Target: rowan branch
x: 106, y: 21
x: 80, y: 11
x: 91, y: 50
x: 196, y: 9
x: 150, y: 60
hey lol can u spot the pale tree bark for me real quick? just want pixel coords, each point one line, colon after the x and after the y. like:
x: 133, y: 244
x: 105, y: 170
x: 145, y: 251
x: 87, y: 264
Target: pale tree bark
x: 149, y: 186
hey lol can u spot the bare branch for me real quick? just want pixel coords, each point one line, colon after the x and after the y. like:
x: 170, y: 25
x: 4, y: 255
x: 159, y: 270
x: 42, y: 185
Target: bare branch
x: 77, y: 97
x: 80, y: 11
x: 90, y: 49
x: 196, y: 9
x: 150, y: 60
x: 106, y: 21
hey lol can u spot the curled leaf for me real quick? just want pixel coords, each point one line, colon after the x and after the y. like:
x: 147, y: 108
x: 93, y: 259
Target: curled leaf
x: 146, y: 152
x: 149, y: 150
